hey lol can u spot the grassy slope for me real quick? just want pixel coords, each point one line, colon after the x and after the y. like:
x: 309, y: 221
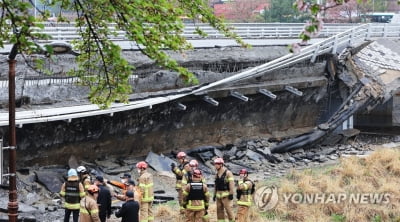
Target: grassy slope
x: 377, y: 173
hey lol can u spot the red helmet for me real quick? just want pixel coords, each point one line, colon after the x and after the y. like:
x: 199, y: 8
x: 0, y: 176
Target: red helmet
x: 219, y: 160
x: 197, y: 173
x: 181, y: 155
x: 243, y: 171
x: 193, y: 163
x: 93, y: 189
x: 141, y: 165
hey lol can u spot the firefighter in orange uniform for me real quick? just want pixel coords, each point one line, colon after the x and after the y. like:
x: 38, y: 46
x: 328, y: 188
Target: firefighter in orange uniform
x: 146, y: 189
x: 195, y: 198
x: 89, y: 210
x: 244, y: 193
x: 179, y: 172
x: 224, y: 186
x: 72, y: 191
x: 84, y: 176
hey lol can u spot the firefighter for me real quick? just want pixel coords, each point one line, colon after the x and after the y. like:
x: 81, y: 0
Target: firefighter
x: 244, y: 193
x: 84, y: 177
x: 146, y: 189
x: 223, y: 194
x: 72, y: 191
x: 131, y: 186
x: 88, y: 206
x: 179, y: 171
x: 187, y: 177
x: 195, y: 198
x: 123, y: 186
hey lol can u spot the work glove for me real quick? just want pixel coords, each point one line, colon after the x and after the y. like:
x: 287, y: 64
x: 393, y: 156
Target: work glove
x: 173, y: 166
x: 230, y: 197
x: 215, y: 198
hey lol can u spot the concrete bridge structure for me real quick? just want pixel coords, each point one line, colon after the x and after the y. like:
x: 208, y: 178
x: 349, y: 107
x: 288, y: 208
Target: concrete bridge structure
x: 264, y: 92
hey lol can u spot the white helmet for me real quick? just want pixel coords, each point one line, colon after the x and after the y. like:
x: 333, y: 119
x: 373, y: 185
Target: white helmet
x: 81, y: 169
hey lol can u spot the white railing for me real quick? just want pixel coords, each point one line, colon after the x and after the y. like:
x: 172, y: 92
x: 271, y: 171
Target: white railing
x: 68, y: 32
x: 354, y: 37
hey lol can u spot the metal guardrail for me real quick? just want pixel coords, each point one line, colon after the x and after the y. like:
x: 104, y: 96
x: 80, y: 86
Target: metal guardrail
x: 354, y: 37
x: 68, y: 32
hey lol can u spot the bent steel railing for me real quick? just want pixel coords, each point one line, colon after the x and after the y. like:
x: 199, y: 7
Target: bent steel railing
x: 352, y: 37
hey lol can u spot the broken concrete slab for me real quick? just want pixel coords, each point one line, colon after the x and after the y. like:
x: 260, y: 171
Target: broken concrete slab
x: 50, y: 179
x: 254, y: 156
x: 218, y: 153
x: 159, y: 162
x: 118, y: 170
x: 205, y: 156
x: 236, y: 167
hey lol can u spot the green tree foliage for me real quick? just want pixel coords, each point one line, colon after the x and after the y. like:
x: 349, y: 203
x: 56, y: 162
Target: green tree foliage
x: 153, y: 25
x: 283, y: 11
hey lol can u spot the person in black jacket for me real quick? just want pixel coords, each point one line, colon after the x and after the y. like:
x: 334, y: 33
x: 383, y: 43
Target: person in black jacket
x: 104, y: 199
x: 129, y: 210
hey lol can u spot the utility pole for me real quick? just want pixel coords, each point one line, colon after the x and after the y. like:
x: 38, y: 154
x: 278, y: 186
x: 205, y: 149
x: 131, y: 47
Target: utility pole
x: 59, y: 48
x: 12, y: 141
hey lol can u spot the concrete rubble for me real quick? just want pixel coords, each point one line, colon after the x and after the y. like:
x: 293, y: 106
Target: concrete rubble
x: 369, y: 79
x: 39, y: 203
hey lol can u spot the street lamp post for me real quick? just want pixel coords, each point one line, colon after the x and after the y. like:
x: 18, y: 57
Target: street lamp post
x: 12, y: 141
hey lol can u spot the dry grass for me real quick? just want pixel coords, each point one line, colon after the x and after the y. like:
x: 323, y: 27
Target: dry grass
x: 378, y: 173
x: 375, y: 174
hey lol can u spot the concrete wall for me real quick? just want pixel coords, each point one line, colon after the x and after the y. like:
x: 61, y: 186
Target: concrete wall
x: 164, y: 127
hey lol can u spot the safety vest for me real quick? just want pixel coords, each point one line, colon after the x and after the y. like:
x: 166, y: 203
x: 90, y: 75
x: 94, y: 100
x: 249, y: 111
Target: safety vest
x: 220, y: 183
x: 72, y: 195
x: 196, y: 192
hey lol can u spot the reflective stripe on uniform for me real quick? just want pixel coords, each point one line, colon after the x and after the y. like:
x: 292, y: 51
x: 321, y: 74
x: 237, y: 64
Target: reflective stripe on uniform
x: 146, y: 187
x: 222, y: 194
x: 244, y: 203
x: 242, y: 183
x: 74, y: 206
x: 83, y: 210
x: 199, y: 207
